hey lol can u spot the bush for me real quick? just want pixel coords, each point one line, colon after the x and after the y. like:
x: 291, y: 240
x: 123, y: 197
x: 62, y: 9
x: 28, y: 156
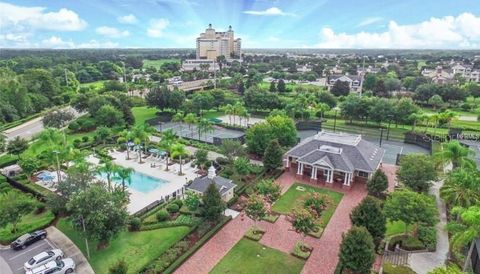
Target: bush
x: 397, y: 269
x: 301, y: 250
x: 120, y: 267
x: 173, y: 208
x: 162, y: 215
x: 40, y: 208
x: 77, y: 143
x: 406, y: 242
x: 428, y: 236
x: 178, y: 202
x: 135, y: 224
x: 254, y: 234
x: 85, y: 139
x: 74, y: 126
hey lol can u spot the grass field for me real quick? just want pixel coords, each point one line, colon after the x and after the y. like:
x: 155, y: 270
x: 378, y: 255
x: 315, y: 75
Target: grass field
x: 251, y: 257
x: 158, y: 63
x: 29, y: 223
x: 137, y: 248
x: 293, y: 198
x: 143, y: 114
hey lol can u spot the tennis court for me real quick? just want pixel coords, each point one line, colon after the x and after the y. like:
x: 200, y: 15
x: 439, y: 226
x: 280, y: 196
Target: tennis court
x: 191, y: 132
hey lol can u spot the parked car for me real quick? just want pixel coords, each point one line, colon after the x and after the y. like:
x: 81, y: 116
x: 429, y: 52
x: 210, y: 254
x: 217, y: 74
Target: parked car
x: 64, y: 266
x: 28, y: 239
x: 43, y: 258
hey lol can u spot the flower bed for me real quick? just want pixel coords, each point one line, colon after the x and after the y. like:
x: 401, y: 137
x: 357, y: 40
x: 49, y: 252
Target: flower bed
x: 317, y: 233
x: 271, y: 218
x: 255, y: 233
x: 302, y: 250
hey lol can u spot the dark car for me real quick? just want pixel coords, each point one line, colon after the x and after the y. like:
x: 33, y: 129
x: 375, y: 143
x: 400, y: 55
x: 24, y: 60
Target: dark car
x: 28, y: 239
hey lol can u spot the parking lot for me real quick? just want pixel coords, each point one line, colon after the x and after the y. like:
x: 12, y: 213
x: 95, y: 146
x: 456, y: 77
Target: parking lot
x: 16, y: 259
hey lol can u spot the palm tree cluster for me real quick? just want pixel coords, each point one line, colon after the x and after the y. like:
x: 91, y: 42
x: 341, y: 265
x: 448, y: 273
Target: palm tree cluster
x: 237, y: 110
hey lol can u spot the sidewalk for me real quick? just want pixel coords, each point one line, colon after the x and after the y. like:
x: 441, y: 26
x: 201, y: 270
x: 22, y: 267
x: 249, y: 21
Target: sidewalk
x: 57, y: 238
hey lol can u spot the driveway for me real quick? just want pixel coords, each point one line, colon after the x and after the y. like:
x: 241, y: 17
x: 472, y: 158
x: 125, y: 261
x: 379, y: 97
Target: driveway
x: 11, y: 262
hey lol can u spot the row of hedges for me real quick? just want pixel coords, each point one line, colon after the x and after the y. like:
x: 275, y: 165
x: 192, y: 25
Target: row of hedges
x: 8, y: 160
x: 22, y: 183
x: 181, y: 220
x: 207, y: 236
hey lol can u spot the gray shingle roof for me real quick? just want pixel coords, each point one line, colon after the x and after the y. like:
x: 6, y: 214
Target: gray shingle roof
x: 200, y: 184
x: 354, y: 153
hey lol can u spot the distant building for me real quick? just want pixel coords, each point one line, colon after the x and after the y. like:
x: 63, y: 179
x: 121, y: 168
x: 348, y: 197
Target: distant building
x: 200, y: 64
x: 225, y: 186
x: 211, y: 44
x: 467, y: 72
x: 438, y: 75
x: 354, y: 82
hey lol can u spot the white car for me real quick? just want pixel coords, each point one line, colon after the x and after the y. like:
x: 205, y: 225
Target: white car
x: 43, y: 258
x: 65, y: 266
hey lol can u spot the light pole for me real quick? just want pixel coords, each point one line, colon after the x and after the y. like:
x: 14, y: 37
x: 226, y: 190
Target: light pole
x: 85, y: 235
x: 335, y: 119
x: 58, y: 166
x: 381, y: 136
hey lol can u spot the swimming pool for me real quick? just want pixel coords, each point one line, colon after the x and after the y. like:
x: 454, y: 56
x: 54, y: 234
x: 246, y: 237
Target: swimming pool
x: 139, y: 182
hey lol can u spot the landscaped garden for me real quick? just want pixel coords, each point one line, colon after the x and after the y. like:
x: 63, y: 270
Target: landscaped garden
x: 251, y: 257
x: 137, y: 248
x: 298, y: 192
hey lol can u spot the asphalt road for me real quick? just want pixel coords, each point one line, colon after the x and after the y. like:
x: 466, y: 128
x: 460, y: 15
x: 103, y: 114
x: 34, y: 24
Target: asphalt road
x: 14, y: 260
x: 31, y: 128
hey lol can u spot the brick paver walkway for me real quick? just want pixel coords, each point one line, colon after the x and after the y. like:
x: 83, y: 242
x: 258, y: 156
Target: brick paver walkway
x: 391, y: 172
x: 218, y: 246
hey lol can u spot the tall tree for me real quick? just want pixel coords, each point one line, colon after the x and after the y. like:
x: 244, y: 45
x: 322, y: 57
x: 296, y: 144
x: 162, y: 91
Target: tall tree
x: 213, y: 205
x: 15, y: 205
x: 178, y: 150
x: 273, y: 156
x: 17, y: 146
x: 369, y: 214
x: 357, y: 251
x: 255, y: 209
x: 453, y: 152
x: 417, y: 171
x: 378, y: 184
x: 340, y: 88
x: 166, y: 143
x: 108, y: 169
x: 461, y: 188
x: 303, y: 221
x: 103, y: 213
x: 124, y: 174
x: 281, y: 86
x: 466, y: 231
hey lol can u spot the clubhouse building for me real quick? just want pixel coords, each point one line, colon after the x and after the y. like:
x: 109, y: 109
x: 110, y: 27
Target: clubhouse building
x: 334, y: 158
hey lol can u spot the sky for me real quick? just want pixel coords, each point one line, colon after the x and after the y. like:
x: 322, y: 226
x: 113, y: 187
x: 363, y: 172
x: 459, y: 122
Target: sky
x: 403, y: 24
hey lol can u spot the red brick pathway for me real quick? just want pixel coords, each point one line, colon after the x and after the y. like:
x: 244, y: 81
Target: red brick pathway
x: 391, y: 172
x: 218, y: 246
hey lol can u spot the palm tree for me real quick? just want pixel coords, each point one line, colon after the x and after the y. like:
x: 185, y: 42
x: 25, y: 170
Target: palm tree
x: 322, y: 108
x: 462, y: 188
x: 56, y: 148
x: 229, y: 110
x: 418, y: 116
x: 109, y: 169
x: 453, y: 152
x: 467, y: 230
x: 141, y: 136
x: 125, y: 175
x: 447, y: 116
x: 204, y: 126
x: 166, y: 143
x: 128, y: 136
x: 178, y: 117
x: 190, y: 119
x: 178, y: 150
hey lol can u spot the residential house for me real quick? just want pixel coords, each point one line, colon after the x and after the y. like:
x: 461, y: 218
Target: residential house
x: 354, y: 82
x: 225, y: 186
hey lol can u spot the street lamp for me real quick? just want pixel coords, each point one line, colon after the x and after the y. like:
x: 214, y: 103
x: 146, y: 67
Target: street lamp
x: 58, y: 166
x: 381, y: 136
x: 336, y: 109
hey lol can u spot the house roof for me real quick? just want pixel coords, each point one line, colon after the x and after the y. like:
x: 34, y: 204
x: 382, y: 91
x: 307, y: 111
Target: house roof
x: 341, y: 77
x: 201, y: 184
x: 341, y: 151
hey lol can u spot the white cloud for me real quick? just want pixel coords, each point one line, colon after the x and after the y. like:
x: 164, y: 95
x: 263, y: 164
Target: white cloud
x: 16, y: 17
x: 369, y: 20
x: 97, y: 44
x: 157, y: 27
x: 111, y: 32
x: 56, y: 43
x: 273, y: 11
x: 127, y: 19
x: 462, y: 31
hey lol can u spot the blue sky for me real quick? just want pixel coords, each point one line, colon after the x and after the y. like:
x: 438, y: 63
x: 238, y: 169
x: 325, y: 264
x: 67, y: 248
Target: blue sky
x: 260, y: 23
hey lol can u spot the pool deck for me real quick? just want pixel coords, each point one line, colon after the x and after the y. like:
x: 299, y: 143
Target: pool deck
x: 139, y: 200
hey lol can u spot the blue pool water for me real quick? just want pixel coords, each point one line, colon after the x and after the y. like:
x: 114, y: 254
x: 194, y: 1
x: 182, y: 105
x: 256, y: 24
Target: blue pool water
x: 140, y: 182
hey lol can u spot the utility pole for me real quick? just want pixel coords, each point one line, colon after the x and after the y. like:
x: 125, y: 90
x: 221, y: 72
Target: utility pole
x: 381, y: 136
x: 85, y: 235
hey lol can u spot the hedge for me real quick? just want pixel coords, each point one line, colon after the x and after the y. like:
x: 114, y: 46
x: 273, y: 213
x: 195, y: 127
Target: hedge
x: 8, y: 160
x: 182, y: 220
x: 179, y: 261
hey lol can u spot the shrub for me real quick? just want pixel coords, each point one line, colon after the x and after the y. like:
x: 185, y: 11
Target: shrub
x: 269, y: 189
x: 254, y: 233
x: 120, y: 267
x: 178, y: 202
x: 301, y: 250
x: 428, y: 236
x: 77, y: 143
x: 162, y: 215
x: 74, y: 126
x: 173, y: 208
x: 40, y: 208
x: 85, y: 139
x: 135, y: 224
x: 316, y: 202
x: 397, y: 269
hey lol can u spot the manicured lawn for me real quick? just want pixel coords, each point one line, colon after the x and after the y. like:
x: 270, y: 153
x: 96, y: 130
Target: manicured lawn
x: 293, y: 198
x: 29, y: 223
x: 158, y: 63
x: 137, y: 248
x: 243, y: 258
x: 395, y: 228
x: 143, y: 114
